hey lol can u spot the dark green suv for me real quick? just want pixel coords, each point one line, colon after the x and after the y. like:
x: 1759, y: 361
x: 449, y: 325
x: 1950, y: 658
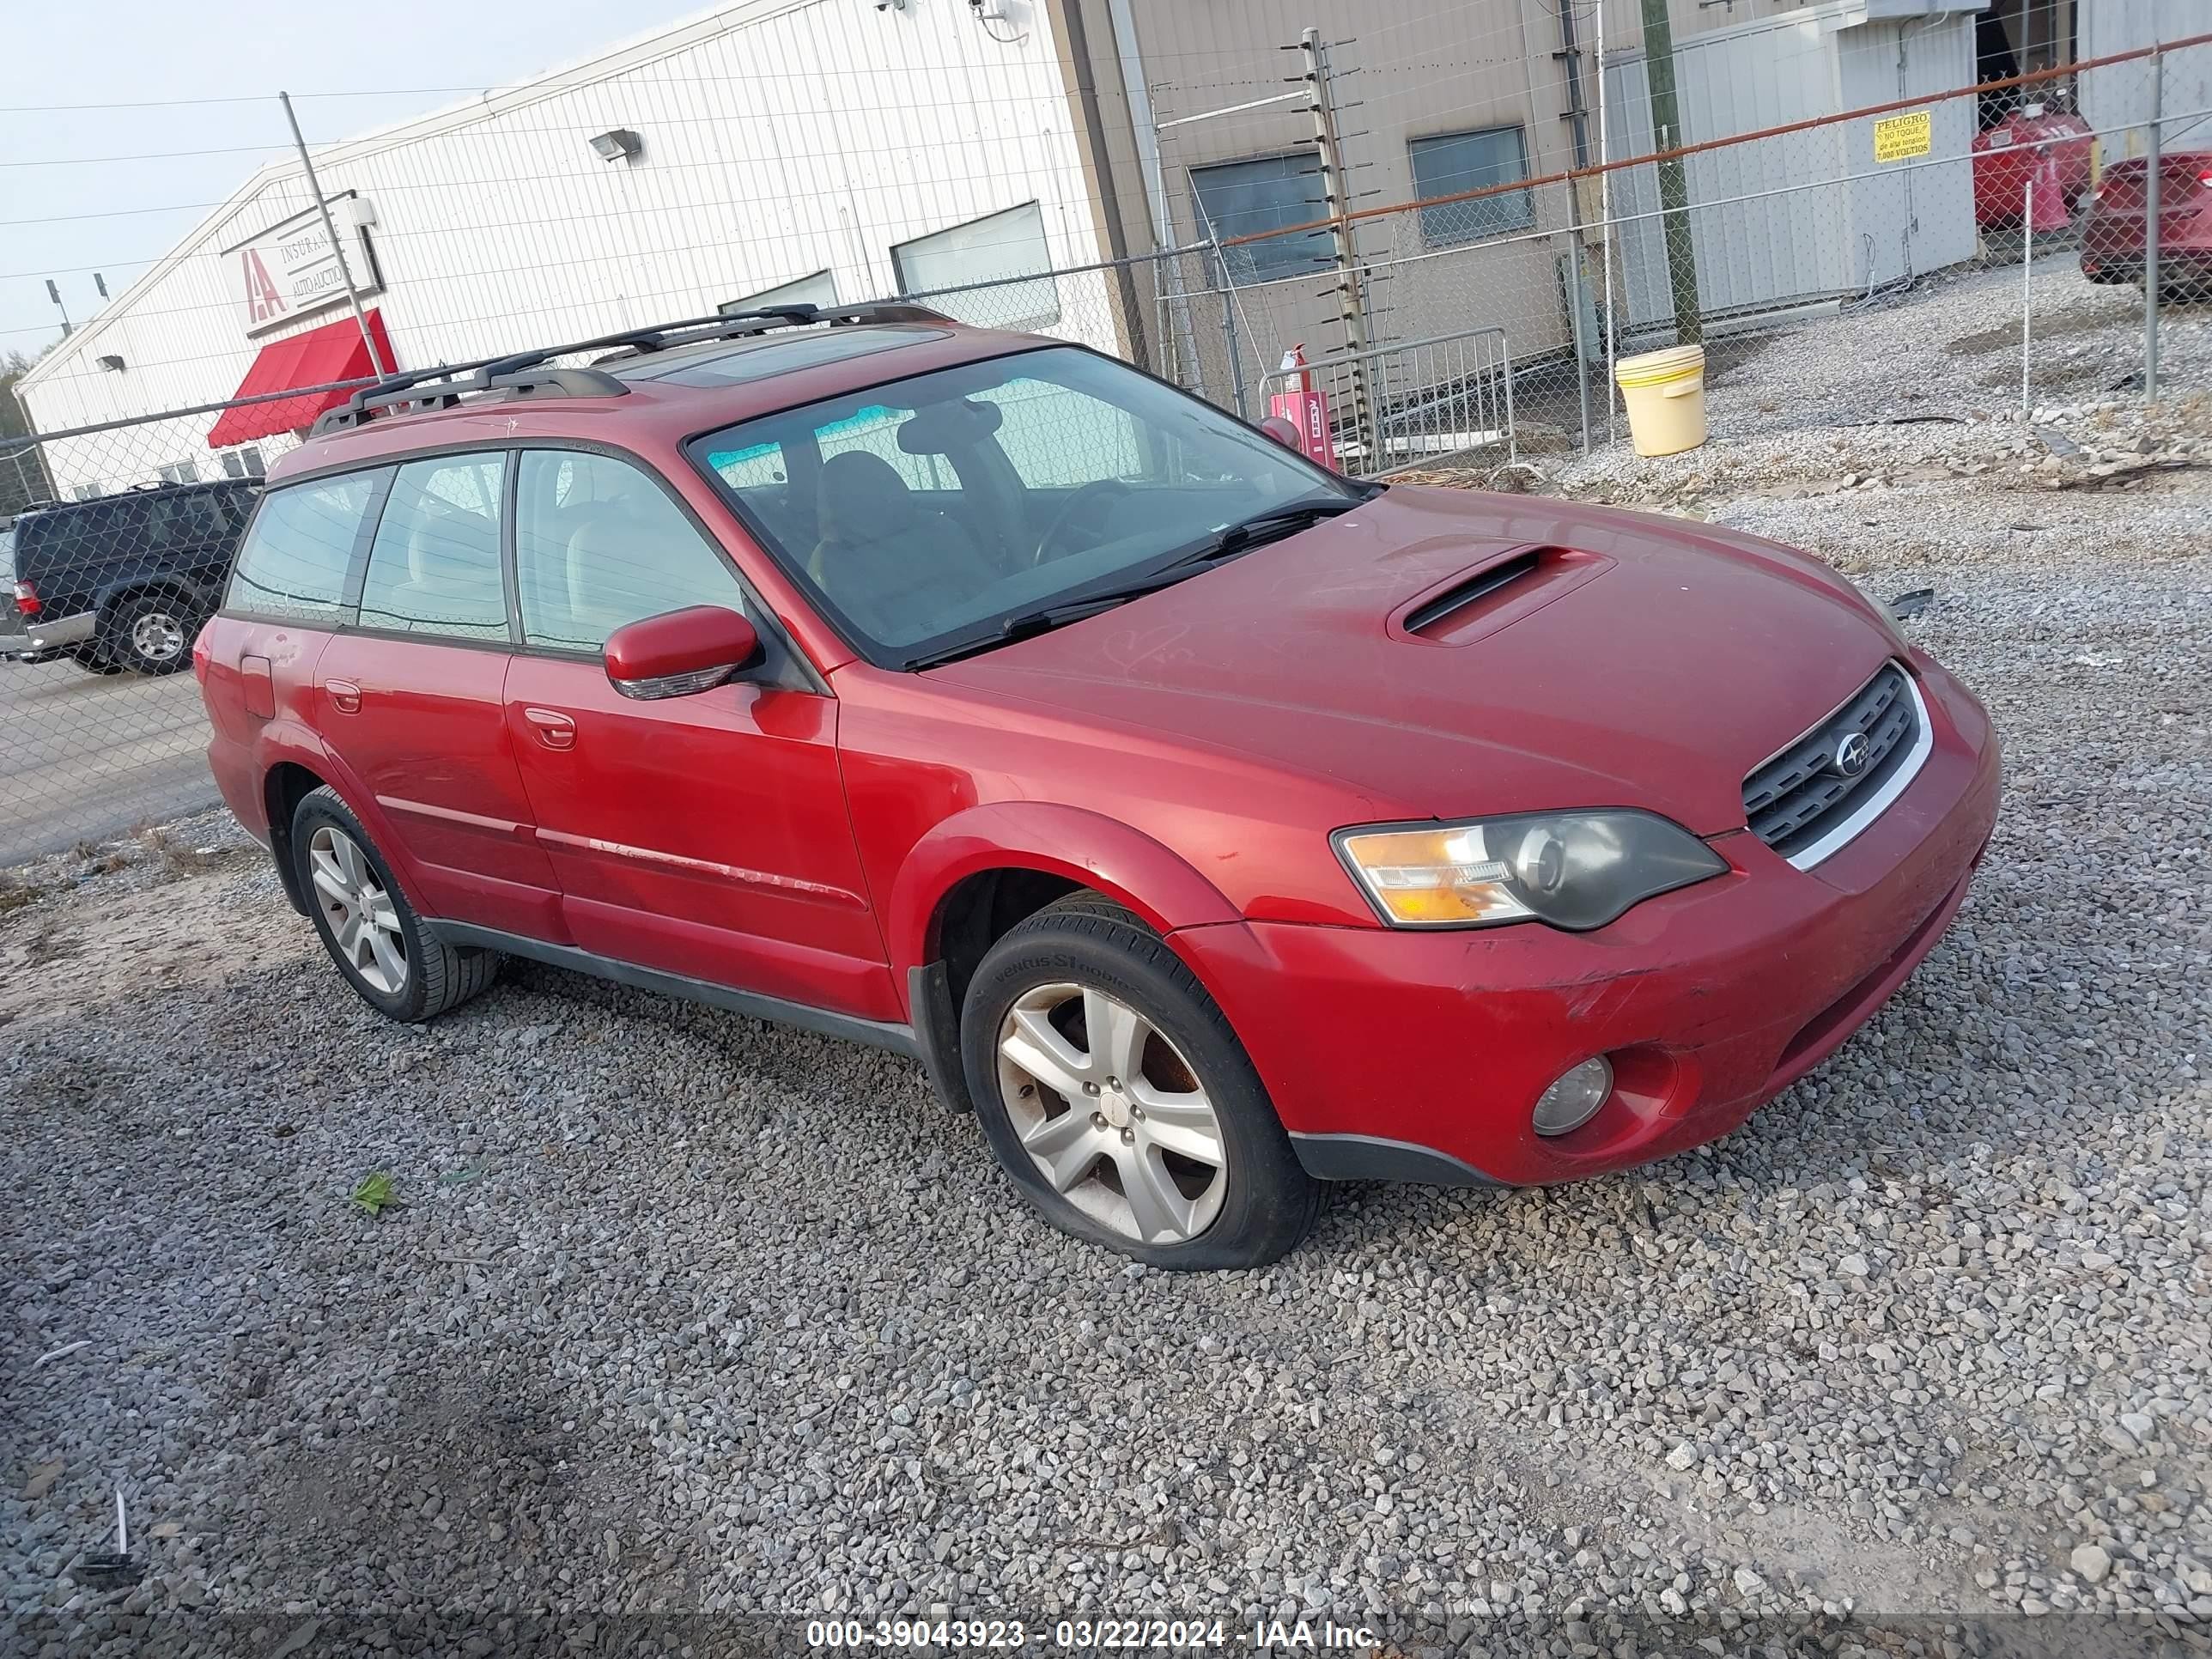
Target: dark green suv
x: 124, y: 581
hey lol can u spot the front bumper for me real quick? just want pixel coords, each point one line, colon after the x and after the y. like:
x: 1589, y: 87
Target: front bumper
x: 45, y: 639
x: 1401, y: 1054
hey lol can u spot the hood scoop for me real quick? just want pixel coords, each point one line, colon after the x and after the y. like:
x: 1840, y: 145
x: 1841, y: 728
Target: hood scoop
x: 1480, y: 601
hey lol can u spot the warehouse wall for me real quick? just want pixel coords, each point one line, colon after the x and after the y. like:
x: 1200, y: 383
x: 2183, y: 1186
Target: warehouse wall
x: 1823, y: 218
x: 2119, y: 96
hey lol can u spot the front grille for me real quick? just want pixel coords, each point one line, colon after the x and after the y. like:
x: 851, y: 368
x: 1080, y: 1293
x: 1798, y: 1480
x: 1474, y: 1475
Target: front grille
x: 1800, y: 795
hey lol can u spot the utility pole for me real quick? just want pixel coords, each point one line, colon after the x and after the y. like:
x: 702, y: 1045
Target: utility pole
x: 1605, y: 229
x: 1337, y: 196
x: 2151, y: 183
x: 1569, y: 57
x: 376, y: 363
x: 1673, y: 184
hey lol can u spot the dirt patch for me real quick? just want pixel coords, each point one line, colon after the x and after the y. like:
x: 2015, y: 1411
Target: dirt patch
x: 193, y: 929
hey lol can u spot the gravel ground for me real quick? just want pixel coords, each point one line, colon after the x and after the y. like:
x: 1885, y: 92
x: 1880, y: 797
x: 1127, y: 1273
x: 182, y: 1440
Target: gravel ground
x: 685, y: 1314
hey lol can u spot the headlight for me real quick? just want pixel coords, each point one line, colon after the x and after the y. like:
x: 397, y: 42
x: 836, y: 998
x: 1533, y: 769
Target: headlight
x: 1576, y: 870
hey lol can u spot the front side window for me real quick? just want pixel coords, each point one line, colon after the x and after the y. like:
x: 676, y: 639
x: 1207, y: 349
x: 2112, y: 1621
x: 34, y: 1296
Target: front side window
x: 598, y: 544
x: 293, y: 563
x: 1270, y: 192
x: 1454, y: 161
x: 925, y: 515
x: 433, y: 567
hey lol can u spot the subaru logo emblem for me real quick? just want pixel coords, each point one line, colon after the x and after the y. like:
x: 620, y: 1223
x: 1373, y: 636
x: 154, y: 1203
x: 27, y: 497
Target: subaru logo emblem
x: 1850, y: 756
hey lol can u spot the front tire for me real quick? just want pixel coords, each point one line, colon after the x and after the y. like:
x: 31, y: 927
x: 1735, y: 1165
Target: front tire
x: 397, y: 965
x: 1114, y: 1092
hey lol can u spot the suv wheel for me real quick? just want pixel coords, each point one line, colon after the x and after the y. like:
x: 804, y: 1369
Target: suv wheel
x: 152, y: 633
x: 1114, y: 1093
x: 398, y: 966
x: 89, y: 659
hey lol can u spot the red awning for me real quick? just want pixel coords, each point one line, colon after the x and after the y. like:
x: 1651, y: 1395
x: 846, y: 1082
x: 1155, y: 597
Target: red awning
x: 321, y: 356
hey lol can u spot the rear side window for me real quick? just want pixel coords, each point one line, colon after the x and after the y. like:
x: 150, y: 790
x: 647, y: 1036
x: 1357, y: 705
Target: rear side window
x: 433, y: 567
x: 84, y: 541
x: 179, y: 522
x: 295, y: 557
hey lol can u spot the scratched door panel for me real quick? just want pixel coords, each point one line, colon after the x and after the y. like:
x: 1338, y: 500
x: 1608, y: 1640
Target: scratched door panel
x: 704, y: 835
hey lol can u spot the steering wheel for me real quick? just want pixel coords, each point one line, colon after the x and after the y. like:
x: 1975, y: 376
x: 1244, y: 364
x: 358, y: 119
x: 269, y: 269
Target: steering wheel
x: 1069, y: 519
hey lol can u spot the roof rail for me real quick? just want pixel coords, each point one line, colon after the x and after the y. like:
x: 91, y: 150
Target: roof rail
x: 523, y: 373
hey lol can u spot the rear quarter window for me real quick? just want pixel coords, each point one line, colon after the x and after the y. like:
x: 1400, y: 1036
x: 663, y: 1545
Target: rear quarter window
x: 293, y: 560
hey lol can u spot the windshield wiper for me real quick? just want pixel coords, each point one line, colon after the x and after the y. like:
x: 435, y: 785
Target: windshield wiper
x: 1045, y: 618
x: 1248, y: 533
x: 1239, y: 538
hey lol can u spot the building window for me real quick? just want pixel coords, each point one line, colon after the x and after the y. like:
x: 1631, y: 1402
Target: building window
x: 244, y: 463
x: 1454, y: 161
x: 181, y: 472
x: 999, y: 249
x: 819, y: 289
x: 1241, y: 198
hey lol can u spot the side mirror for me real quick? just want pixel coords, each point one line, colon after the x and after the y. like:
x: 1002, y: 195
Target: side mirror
x: 680, y: 652
x: 1284, y: 431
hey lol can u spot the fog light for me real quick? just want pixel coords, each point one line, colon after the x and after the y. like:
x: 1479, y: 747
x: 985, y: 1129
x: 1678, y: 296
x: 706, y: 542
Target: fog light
x: 1574, y: 1097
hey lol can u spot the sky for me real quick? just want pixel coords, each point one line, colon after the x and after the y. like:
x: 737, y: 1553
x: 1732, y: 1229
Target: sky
x: 66, y: 211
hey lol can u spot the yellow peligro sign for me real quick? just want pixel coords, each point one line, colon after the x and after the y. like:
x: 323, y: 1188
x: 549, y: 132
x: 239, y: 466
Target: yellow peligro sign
x: 1901, y: 137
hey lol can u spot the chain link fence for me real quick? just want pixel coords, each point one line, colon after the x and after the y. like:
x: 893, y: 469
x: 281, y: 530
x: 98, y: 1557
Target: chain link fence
x: 115, y: 552
x: 1484, y: 324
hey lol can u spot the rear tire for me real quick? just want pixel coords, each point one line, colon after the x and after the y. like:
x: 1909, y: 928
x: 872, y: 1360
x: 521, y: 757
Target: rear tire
x: 152, y: 633
x: 395, y: 965
x: 89, y: 658
x: 1158, y: 1139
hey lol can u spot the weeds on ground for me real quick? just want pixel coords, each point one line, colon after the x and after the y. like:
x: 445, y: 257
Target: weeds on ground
x: 177, y: 858
x: 374, y: 1195
x: 15, y: 893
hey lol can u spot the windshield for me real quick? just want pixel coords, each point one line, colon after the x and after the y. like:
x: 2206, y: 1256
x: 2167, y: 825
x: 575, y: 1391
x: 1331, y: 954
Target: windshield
x: 926, y: 513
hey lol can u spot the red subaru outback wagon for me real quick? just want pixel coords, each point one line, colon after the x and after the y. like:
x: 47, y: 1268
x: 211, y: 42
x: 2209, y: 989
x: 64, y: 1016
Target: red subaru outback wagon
x: 1212, y: 826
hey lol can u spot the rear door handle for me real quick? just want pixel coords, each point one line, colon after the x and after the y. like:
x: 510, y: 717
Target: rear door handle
x: 345, y: 697
x: 554, y: 729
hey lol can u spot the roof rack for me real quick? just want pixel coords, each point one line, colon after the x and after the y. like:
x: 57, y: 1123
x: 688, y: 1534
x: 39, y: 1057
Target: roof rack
x: 524, y: 374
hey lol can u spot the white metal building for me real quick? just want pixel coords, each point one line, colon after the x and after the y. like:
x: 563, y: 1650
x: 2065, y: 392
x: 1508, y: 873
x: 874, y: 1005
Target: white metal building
x: 1768, y: 239
x: 774, y: 150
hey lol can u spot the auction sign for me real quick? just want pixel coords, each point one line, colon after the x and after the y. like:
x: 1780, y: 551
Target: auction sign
x: 291, y: 270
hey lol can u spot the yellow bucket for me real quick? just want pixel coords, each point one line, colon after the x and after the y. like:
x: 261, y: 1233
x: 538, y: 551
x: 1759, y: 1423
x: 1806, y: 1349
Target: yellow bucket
x: 1665, y: 392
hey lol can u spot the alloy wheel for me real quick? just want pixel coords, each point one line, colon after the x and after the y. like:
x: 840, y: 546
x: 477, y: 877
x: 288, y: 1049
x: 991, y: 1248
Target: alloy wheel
x: 1111, y: 1113
x: 157, y: 636
x: 363, y: 920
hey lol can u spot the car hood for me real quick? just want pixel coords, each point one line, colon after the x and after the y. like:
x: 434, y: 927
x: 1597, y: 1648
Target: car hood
x: 1447, y: 652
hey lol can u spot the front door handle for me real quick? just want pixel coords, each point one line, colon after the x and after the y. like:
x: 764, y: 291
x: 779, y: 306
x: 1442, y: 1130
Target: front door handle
x: 554, y: 729
x: 345, y: 697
